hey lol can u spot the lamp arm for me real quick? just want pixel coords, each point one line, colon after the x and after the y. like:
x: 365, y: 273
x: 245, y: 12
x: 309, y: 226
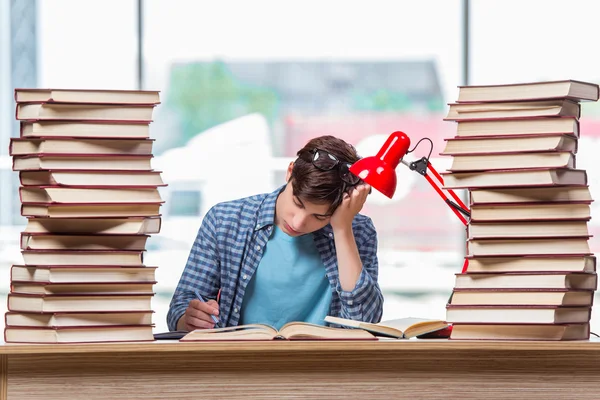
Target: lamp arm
x: 459, y: 208
x: 423, y: 166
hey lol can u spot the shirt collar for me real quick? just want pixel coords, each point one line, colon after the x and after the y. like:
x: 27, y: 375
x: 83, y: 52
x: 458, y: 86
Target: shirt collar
x: 266, y: 214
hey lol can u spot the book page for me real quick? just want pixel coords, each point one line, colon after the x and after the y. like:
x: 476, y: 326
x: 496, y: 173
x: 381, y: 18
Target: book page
x: 378, y: 329
x: 243, y: 332
x: 304, y: 330
x: 412, y: 326
x: 404, y: 323
x: 399, y: 328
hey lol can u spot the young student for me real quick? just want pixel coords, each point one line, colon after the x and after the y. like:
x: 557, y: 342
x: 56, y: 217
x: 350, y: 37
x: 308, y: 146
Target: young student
x: 298, y: 254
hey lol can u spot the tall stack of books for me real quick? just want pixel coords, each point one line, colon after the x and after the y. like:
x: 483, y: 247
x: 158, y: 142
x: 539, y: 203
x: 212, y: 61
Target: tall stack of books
x: 91, y: 200
x: 531, y: 274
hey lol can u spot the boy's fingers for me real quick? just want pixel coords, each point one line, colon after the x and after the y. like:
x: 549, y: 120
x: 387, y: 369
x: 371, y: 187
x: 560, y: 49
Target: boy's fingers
x: 213, y: 307
x: 197, y: 314
x: 192, y: 323
x: 207, y: 308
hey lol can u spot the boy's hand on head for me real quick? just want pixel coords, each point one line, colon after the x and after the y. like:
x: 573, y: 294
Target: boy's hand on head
x: 351, y: 205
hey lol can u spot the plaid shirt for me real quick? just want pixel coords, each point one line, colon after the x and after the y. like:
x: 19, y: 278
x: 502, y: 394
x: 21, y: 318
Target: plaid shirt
x: 230, y: 245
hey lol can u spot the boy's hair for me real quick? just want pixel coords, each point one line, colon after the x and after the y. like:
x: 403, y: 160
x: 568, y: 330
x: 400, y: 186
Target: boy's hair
x: 322, y: 187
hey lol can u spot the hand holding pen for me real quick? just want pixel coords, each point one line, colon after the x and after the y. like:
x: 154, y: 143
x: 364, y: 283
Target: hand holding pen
x: 210, y: 312
x: 200, y: 314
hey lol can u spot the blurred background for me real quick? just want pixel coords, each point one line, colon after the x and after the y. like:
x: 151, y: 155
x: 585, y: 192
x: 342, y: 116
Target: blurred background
x: 245, y: 84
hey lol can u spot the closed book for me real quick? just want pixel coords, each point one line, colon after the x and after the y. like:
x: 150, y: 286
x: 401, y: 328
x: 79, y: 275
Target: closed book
x: 528, y: 247
x: 532, y: 264
x: 526, y: 280
x: 518, y: 127
x: 527, y: 229
x: 490, y: 162
x: 465, y: 331
x: 77, y: 303
x: 87, y: 178
x: 82, y: 288
x: 531, y: 212
x: 531, y: 195
x: 515, y: 178
x: 81, y: 273
x: 84, y: 129
x: 62, y: 146
x: 90, y: 96
x: 83, y: 257
x: 113, y: 162
x: 517, y: 109
x: 560, y: 89
x: 88, y: 334
x: 507, y: 297
x: 73, y: 319
x: 131, y: 226
x: 508, y: 144
x: 45, y: 241
x: 102, y: 210
x: 87, y: 195
x: 518, y: 314
x: 83, y: 112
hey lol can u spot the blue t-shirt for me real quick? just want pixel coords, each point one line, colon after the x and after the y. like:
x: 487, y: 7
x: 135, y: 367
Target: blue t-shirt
x: 290, y: 284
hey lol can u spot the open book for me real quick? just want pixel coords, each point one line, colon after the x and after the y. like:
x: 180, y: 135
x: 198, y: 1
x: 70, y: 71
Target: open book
x: 403, y: 328
x: 290, y: 331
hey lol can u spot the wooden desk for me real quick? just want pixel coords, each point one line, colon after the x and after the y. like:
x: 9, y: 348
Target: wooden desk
x: 416, y: 369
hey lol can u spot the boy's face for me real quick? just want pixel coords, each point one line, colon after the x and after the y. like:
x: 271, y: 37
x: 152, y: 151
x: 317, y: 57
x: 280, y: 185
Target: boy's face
x: 297, y: 217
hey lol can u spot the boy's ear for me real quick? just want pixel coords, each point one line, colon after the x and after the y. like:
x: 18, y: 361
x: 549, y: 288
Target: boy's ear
x: 288, y: 173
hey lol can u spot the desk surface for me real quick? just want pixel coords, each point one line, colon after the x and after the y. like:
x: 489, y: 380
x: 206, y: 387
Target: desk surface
x: 423, y: 369
x: 382, y: 346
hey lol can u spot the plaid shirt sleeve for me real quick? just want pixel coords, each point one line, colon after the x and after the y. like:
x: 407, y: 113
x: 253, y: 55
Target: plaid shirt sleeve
x: 365, y: 301
x: 202, y: 271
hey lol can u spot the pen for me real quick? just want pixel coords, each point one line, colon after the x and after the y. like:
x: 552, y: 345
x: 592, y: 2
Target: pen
x: 199, y: 296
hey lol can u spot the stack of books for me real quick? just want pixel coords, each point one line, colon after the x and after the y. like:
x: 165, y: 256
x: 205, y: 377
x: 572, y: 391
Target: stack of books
x: 531, y: 274
x: 91, y: 200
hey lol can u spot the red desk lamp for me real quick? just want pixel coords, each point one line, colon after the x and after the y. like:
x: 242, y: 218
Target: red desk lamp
x: 380, y: 172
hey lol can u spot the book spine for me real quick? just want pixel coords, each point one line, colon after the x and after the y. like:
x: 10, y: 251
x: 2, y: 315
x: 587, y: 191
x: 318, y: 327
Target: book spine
x: 10, y: 148
x: 21, y: 129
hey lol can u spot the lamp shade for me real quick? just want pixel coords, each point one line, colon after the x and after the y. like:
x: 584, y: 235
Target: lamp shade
x: 380, y: 171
